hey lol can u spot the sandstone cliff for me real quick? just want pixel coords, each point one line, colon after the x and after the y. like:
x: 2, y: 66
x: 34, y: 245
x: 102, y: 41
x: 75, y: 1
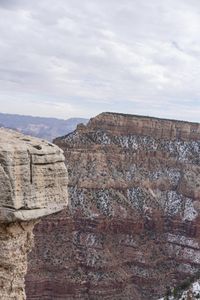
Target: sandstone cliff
x: 132, y: 230
x: 33, y: 183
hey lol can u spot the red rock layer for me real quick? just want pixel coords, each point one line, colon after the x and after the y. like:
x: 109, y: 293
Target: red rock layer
x: 132, y: 228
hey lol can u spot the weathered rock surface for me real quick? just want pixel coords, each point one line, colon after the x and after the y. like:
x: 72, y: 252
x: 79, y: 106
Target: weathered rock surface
x: 32, y: 177
x: 33, y: 183
x: 133, y: 227
x: 16, y: 240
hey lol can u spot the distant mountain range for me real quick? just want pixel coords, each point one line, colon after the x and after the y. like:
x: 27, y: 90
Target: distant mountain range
x: 46, y: 128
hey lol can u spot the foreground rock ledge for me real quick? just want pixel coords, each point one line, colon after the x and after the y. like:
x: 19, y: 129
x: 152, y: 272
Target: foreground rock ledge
x: 33, y: 183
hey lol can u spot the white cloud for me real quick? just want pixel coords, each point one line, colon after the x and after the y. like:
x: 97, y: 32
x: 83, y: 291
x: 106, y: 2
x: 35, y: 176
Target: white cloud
x: 83, y: 57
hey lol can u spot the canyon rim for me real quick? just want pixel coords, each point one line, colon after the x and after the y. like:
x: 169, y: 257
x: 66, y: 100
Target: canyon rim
x: 132, y: 227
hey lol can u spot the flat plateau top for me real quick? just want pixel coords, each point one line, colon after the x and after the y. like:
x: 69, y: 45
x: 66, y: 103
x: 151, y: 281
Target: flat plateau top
x: 147, y: 117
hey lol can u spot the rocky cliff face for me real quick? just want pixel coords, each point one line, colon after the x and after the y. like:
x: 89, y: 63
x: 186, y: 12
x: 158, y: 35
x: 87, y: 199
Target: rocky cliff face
x: 33, y: 183
x: 132, y: 229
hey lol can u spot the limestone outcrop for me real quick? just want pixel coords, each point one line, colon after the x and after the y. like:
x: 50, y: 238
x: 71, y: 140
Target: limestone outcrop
x: 33, y: 184
x: 133, y: 226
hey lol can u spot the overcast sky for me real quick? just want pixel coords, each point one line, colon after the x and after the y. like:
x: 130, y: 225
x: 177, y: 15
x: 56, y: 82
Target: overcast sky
x: 77, y: 58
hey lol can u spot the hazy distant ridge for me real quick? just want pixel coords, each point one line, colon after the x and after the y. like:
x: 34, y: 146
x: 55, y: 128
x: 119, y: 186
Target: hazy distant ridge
x: 46, y: 128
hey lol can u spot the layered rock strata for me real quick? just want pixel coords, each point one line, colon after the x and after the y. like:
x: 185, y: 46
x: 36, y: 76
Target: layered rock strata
x: 133, y: 227
x: 33, y: 183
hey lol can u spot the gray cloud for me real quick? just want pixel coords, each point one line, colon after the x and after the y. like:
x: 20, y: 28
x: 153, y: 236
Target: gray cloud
x: 10, y: 4
x: 78, y: 58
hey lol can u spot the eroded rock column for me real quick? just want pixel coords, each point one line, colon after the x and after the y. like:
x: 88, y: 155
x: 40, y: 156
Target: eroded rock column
x: 33, y: 183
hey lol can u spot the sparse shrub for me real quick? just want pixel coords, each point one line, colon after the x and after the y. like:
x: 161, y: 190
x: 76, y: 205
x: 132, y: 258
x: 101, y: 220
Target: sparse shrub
x: 185, y: 284
x: 168, y: 293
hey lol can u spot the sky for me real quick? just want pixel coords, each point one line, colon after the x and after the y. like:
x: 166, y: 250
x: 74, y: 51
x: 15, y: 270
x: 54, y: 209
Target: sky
x: 78, y: 58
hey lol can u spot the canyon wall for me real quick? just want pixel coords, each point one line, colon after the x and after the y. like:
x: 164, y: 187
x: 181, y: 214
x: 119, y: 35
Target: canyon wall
x: 132, y: 227
x: 33, y: 184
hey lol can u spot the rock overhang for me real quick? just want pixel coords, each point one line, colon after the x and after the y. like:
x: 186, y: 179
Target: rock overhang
x: 33, y: 177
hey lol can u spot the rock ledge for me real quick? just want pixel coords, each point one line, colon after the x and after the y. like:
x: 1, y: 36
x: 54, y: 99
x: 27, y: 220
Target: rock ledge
x: 33, y: 178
